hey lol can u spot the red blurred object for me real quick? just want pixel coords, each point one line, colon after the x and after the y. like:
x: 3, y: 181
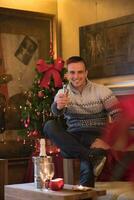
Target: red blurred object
x: 120, y: 136
x: 56, y: 184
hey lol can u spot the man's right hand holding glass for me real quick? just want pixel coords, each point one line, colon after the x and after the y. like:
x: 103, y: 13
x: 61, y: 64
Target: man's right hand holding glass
x: 61, y: 100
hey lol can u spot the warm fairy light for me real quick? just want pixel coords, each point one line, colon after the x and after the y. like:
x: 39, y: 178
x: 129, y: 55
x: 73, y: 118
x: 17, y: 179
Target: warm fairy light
x: 50, y: 152
x: 18, y: 139
x: 58, y: 150
x: 80, y: 187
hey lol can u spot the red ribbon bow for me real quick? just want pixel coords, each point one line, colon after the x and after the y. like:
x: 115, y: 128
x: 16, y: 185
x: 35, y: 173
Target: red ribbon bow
x: 51, y: 70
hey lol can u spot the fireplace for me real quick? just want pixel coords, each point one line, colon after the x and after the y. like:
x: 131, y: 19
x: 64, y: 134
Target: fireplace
x: 122, y: 88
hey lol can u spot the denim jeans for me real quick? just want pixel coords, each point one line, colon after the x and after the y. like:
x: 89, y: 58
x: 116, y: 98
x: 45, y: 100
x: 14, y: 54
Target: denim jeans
x: 73, y: 145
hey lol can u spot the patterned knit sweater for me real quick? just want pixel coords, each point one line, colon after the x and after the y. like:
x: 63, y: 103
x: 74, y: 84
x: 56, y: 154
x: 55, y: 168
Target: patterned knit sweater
x: 88, y: 110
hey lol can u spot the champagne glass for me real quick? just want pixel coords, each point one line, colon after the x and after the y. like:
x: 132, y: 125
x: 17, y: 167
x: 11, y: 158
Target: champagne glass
x: 48, y: 173
x: 49, y: 170
x: 43, y: 174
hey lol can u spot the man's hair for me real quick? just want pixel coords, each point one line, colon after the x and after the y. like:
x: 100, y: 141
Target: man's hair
x: 75, y: 59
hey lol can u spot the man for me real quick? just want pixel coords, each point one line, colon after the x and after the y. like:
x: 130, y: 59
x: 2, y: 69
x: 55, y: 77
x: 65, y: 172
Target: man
x: 85, y: 106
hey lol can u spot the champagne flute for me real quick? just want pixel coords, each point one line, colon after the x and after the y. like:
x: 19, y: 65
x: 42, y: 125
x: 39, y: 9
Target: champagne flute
x: 49, y: 170
x: 43, y: 175
x: 48, y: 173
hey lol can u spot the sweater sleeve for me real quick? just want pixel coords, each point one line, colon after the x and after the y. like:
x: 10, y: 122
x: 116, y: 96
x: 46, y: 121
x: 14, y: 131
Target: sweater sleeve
x: 110, y: 103
x: 54, y: 109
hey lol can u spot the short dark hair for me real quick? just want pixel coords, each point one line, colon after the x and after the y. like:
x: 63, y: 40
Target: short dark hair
x: 75, y: 59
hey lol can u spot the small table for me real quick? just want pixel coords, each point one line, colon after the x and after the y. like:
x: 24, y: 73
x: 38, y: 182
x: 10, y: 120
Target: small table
x: 28, y: 191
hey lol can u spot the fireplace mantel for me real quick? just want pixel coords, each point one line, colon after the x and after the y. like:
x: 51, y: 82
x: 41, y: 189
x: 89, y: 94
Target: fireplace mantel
x: 122, y: 88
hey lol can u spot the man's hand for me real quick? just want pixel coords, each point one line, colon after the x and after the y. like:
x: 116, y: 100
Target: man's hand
x: 61, y: 100
x: 98, y: 143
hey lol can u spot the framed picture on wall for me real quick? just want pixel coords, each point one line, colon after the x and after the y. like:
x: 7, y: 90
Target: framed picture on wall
x: 26, y: 50
x: 24, y: 38
x: 108, y: 47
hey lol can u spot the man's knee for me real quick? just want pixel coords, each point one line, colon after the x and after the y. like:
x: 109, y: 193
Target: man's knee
x: 49, y: 126
x: 53, y: 128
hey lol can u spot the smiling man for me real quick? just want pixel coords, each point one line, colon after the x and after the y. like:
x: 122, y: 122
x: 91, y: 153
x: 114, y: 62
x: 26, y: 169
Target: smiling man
x: 86, y: 107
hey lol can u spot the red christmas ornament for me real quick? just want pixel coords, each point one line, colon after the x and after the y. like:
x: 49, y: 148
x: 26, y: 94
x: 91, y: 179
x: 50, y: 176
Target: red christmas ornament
x: 40, y: 94
x: 28, y: 120
x: 56, y: 184
x: 35, y: 133
x: 26, y: 125
x: 30, y: 134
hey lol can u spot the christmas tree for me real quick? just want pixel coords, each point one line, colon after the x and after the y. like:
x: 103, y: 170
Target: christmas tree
x: 37, y: 109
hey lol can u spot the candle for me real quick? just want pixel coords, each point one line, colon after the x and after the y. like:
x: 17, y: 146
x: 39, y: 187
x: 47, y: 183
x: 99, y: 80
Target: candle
x: 42, y: 147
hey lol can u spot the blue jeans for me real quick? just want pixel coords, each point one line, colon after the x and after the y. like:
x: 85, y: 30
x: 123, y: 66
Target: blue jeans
x: 73, y: 145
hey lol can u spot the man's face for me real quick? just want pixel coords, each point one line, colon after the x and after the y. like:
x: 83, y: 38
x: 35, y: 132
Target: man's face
x: 77, y: 74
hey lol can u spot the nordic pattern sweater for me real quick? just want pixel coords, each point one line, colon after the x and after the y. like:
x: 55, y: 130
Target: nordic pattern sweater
x: 90, y: 109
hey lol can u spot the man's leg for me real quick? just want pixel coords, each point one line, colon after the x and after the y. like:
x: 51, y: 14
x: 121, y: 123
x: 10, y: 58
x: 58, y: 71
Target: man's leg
x: 67, y: 142
x: 98, y: 155
x: 72, y: 148
x: 86, y: 173
x: 76, y: 146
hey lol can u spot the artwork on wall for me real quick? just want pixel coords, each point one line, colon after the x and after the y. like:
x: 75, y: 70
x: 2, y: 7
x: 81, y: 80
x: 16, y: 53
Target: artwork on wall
x: 26, y: 50
x: 19, y: 64
x: 24, y: 38
x: 108, y: 47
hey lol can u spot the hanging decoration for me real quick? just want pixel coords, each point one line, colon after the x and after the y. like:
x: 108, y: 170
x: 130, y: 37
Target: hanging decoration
x: 50, y: 71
